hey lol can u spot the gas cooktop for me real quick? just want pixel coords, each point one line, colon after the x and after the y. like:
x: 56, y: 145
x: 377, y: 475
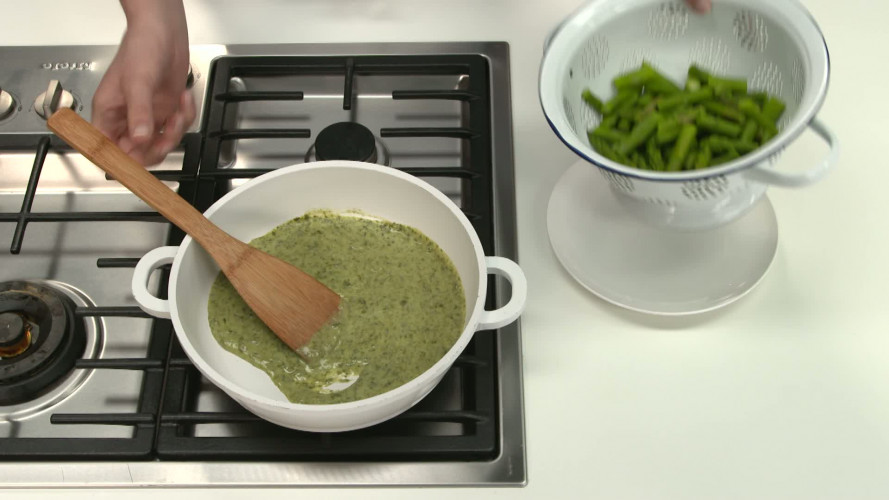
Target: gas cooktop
x: 93, y: 392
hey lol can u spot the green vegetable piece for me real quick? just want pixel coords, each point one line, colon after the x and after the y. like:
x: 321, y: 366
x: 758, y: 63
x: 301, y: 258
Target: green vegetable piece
x: 642, y: 114
x: 695, y: 71
x: 692, y: 84
x: 662, y: 87
x: 635, y: 79
x: 773, y: 108
x: 717, y: 125
x: 727, y: 86
x: 749, y: 132
x: 690, y: 161
x: 699, y: 95
x: 725, y: 157
x: 618, y: 100
x: 668, y: 130
x: 749, y: 108
x: 624, y: 124
x: 704, y: 156
x: 645, y: 106
x: 640, y: 133
x: 627, y: 112
x: 760, y: 98
x: 655, y: 157
x: 659, y: 84
x: 626, y: 160
x: 628, y: 106
x: 607, y: 133
x: 671, y: 102
x: 720, y: 144
x: 687, y: 115
x: 744, y: 147
x: 724, y: 111
x: 676, y: 100
x: 593, y: 101
x: 609, y: 121
x: 683, y: 144
x: 602, y: 146
x: 640, y: 160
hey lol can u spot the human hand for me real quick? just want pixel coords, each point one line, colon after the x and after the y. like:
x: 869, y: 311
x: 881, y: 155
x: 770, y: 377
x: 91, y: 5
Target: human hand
x: 142, y: 103
x: 702, y: 6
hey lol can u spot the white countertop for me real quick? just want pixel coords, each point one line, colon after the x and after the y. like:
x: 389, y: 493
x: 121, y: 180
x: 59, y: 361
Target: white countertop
x: 784, y: 394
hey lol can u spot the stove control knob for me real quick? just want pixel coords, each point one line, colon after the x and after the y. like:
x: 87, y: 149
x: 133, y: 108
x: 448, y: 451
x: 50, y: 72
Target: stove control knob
x: 7, y: 104
x: 54, y: 99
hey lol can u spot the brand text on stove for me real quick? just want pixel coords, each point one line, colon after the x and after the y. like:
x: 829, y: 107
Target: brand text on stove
x: 70, y: 66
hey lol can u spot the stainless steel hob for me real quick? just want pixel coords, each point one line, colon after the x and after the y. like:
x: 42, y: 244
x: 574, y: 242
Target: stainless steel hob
x: 127, y: 408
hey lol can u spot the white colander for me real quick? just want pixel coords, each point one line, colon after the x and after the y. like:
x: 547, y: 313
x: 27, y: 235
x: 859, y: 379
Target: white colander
x: 775, y: 44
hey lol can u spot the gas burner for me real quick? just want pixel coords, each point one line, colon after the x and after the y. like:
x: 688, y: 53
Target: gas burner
x: 40, y: 340
x: 348, y: 141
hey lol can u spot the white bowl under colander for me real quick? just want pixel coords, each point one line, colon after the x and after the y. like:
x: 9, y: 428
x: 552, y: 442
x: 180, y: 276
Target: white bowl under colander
x: 775, y: 44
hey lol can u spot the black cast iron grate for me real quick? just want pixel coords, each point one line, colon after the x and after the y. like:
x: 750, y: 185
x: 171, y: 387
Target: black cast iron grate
x: 166, y: 423
x: 142, y: 443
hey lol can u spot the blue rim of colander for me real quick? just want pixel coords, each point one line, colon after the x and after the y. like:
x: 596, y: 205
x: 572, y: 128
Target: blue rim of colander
x: 765, y: 152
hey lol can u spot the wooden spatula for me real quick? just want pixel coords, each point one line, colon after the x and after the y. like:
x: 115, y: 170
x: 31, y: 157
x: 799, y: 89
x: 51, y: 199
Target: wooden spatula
x: 292, y: 303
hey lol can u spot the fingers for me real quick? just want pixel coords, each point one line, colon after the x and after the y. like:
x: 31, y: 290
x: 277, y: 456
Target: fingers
x: 110, y: 123
x: 138, y: 103
x: 174, y: 128
x: 140, y: 115
x: 107, y: 114
x: 151, y: 157
x: 145, y: 143
x: 186, y: 103
x: 154, y: 152
x: 176, y: 124
x: 126, y: 144
x: 702, y: 6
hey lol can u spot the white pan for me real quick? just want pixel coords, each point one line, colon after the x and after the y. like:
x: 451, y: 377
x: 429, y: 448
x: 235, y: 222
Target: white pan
x: 254, y: 209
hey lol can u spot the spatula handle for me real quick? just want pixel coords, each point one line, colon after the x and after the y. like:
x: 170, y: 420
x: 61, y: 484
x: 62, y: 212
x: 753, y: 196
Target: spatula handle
x: 97, y: 148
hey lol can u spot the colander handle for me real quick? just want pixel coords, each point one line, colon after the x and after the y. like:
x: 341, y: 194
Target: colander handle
x: 762, y: 173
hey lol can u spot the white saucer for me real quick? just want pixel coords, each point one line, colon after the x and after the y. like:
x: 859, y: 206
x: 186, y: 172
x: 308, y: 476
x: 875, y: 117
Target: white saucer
x: 648, y: 269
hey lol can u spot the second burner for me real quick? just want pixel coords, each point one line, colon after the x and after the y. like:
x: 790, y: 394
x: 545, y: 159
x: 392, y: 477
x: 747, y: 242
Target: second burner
x: 348, y: 141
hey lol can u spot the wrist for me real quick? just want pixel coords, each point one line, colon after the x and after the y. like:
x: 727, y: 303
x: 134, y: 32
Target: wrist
x: 165, y: 15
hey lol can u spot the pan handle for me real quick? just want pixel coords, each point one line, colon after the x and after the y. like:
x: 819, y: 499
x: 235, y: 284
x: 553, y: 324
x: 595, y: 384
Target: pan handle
x: 508, y: 313
x: 154, y: 259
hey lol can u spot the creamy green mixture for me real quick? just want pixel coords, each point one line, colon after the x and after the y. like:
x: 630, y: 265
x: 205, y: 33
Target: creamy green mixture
x: 402, y: 308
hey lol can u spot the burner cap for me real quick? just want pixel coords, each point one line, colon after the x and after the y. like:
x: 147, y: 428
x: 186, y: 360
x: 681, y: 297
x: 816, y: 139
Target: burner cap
x: 15, y: 334
x: 346, y: 141
x: 39, y: 339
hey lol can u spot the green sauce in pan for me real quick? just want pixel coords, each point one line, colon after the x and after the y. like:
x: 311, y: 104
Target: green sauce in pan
x: 402, y: 308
